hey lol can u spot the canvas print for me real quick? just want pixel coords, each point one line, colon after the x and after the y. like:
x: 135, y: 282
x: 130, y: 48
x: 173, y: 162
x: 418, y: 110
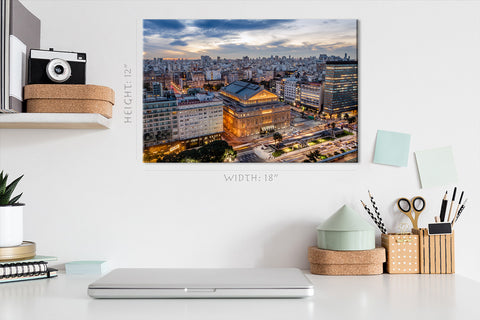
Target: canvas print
x: 261, y: 91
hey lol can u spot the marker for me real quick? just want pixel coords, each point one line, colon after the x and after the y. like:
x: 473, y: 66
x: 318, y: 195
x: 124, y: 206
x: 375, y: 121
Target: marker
x: 444, y: 207
x: 451, y: 204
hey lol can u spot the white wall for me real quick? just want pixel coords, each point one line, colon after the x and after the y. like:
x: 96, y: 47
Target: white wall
x: 89, y: 196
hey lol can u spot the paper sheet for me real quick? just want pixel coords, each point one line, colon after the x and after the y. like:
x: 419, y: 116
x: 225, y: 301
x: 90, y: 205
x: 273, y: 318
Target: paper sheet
x: 436, y: 167
x: 392, y: 148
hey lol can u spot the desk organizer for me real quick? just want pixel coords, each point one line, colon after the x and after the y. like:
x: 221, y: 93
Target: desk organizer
x: 335, y: 262
x: 437, y: 252
x: 69, y: 98
x: 402, y: 252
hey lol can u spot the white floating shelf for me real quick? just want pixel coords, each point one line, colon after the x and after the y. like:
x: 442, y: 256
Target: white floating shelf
x: 54, y: 121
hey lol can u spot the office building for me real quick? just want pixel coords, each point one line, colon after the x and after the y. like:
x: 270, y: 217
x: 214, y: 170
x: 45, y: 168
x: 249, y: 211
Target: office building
x: 311, y: 96
x: 200, y: 119
x: 341, y: 88
x: 159, y: 120
x: 213, y: 75
x: 290, y: 90
x: 250, y: 109
x: 185, y: 122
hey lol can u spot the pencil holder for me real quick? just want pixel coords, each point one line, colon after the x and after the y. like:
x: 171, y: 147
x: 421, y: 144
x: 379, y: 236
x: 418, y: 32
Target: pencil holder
x: 402, y: 252
x: 437, y: 252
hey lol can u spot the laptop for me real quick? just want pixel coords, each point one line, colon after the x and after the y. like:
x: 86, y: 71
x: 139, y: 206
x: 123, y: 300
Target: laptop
x: 202, y: 283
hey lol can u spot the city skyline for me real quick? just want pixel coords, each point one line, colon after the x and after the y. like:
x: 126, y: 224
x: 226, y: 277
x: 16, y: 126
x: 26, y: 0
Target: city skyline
x: 234, y: 39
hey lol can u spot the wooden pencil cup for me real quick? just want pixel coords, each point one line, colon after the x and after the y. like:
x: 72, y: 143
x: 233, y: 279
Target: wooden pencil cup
x: 437, y: 252
x: 402, y: 252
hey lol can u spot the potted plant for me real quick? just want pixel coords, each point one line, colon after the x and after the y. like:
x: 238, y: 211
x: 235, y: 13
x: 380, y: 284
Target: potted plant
x: 11, y: 213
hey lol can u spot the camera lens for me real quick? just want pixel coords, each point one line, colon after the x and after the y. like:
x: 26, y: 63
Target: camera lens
x: 59, y: 69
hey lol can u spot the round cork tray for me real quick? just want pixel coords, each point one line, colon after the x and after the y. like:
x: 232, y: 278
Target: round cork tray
x: 26, y: 250
x: 69, y: 98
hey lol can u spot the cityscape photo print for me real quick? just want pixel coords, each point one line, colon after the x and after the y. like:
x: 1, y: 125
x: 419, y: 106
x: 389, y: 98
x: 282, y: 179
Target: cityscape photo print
x: 271, y: 91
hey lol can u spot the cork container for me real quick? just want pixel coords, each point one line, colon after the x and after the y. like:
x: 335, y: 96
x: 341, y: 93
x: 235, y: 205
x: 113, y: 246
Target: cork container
x: 437, y: 252
x: 69, y: 98
x: 357, y: 262
x: 402, y: 252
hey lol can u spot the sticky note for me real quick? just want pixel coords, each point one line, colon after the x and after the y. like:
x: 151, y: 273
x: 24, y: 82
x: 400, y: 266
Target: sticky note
x: 392, y: 148
x: 436, y: 167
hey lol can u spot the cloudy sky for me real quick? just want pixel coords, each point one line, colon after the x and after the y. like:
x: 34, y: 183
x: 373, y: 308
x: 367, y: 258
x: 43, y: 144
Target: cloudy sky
x: 190, y: 39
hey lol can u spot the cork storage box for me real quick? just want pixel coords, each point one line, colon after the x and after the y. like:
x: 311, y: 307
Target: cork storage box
x: 402, y: 253
x: 69, y: 98
x: 437, y: 252
x: 357, y: 262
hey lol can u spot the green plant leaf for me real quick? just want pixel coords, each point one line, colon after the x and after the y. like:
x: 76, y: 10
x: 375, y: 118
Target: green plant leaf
x: 10, y: 189
x: 14, y: 199
x: 3, y: 183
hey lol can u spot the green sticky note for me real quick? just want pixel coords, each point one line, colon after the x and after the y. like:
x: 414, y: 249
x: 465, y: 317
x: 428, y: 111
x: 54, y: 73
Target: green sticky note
x: 436, y: 167
x: 392, y: 148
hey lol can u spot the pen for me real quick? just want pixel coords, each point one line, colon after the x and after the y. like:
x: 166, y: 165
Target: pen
x: 451, y: 204
x: 444, y: 207
x: 458, y: 207
x: 459, y: 212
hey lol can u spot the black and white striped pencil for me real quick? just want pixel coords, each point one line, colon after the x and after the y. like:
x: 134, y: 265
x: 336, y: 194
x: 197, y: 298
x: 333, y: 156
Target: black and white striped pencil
x: 375, y: 220
x: 379, y: 218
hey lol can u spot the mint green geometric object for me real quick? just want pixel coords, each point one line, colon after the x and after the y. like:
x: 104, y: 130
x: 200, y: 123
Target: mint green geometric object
x: 345, y: 230
x: 392, y: 148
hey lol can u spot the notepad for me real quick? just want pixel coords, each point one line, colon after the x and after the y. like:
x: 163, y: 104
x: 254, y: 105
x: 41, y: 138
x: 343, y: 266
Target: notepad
x: 436, y: 167
x: 392, y: 148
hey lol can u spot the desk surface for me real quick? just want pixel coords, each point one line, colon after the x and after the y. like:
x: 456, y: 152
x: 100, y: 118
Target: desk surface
x: 367, y: 297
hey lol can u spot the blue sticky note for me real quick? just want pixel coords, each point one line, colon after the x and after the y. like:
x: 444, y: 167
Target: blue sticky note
x: 392, y: 148
x: 436, y: 167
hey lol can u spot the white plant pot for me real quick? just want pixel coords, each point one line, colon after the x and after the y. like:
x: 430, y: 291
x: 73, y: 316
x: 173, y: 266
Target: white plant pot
x: 11, y: 226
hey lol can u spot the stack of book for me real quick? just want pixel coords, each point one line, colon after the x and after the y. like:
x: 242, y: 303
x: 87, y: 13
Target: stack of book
x: 19, y: 32
x: 20, y: 270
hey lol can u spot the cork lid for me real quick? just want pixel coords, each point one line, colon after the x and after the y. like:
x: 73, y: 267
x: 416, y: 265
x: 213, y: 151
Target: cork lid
x: 345, y: 219
x: 69, y: 91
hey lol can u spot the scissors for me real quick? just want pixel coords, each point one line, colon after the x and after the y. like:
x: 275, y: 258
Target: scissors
x: 417, y: 205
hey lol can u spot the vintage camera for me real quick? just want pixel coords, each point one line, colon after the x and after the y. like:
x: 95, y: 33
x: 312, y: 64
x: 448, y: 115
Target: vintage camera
x: 48, y: 66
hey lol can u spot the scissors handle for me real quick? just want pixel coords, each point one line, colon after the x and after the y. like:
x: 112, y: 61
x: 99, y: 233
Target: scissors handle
x: 406, y: 207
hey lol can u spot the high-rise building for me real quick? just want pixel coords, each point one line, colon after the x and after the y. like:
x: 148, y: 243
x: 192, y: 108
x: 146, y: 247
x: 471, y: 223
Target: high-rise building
x: 200, y: 119
x: 311, y: 95
x: 159, y: 120
x: 189, y: 120
x: 290, y: 90
x: 341, y: 88
x: 250, y: 109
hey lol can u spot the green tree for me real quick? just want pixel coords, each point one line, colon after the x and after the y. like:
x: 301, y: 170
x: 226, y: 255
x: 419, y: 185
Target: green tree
x: 313, y: 156
x: 217, y: 151
x: 333, y: 125
x: 352, y: 120
x: 277, y: 137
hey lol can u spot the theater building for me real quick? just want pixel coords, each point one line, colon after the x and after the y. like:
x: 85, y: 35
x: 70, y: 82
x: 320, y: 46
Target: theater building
x: 249, y: 109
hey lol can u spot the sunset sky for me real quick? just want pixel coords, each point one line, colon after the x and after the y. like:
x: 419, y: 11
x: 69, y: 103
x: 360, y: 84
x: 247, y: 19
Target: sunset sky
x: 190, y: 39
